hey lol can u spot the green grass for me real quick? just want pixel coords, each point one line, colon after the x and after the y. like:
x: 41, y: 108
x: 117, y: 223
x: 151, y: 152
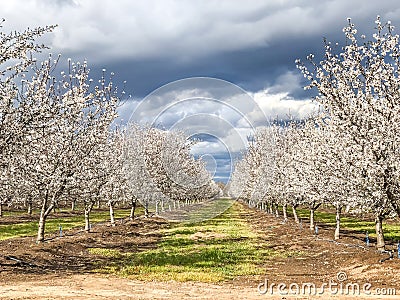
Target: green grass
x: 14, y: 213
x: 391, y: 231
x: 52, y: 225
x: 211, y: 251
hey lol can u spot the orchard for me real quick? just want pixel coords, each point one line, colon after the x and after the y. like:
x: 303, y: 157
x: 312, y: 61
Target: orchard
x: 82, y: 192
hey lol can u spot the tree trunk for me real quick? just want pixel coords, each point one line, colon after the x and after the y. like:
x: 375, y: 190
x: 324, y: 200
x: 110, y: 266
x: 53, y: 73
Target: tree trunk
x: 1, y: 209
x: 156, y: 208
x: 296, y: 218
x: 133, y: 208
x: 112, y: 219
x: 380, y: 240
x: 284, y: 209
x: 337, y: 230
x: 87, y: 220
x: 44, y: 212
x: 146, y: 210
x: 276, y: 211
x: 312, y: 223
x: 88, y: 209
x: 73, y: 205
x: 98, y: 204
x: 42, y: 222
x: 30, y: 208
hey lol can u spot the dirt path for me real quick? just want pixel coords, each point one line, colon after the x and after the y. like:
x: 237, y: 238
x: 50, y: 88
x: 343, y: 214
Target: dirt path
x: 98, y: 287
x: 63, y: 267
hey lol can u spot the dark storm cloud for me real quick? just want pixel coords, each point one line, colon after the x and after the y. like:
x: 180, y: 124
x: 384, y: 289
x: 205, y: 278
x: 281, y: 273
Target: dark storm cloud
x: 150, y: 43
x: 251, y: 69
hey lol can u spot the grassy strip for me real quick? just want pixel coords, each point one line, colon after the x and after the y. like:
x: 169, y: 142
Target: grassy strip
x: 14, y: 213
x: 391, y: 231
x: 211, y: 251
x: 52, y: 225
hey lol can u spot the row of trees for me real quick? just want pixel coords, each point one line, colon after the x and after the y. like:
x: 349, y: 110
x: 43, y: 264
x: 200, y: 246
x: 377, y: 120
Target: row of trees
x: 347, y: 154
x: 59, y: 141
x: 160, y: 170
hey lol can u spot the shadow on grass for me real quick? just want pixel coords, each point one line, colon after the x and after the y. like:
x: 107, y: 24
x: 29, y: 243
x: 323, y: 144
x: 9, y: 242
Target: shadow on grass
x: 65, y: 220
x: 351, y: 225
x: 69, y: 254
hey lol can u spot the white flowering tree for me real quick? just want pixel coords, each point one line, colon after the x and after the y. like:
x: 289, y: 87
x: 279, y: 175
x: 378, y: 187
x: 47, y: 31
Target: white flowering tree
x: 359, y: 87
x: 16, y: 50
x: 238, y: 179
x: 338, y: 185
x: 69, y: 122
x: 288, y: 167
x: 116, y: 189
x: 304, y: 171
x: 139, y: 181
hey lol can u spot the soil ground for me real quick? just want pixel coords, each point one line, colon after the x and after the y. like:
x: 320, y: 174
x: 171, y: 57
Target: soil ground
x: 61, y: 268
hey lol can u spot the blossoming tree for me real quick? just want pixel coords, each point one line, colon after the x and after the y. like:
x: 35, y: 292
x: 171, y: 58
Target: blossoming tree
x: 359, y: 89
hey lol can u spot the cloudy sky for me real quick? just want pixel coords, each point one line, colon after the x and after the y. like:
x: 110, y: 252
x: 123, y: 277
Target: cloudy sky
x: 210, y: 67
